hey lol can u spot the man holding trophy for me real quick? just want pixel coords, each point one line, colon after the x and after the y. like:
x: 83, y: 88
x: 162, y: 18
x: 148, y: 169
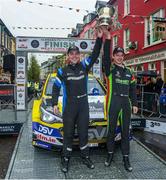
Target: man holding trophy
x: 121, y: 92
x: 73, y: 78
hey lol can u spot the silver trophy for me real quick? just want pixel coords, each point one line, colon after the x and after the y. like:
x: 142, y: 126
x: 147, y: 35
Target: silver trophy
x: 105, y: 15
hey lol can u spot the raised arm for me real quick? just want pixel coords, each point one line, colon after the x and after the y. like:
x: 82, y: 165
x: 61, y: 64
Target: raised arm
x: 106, y: 57
x: 88, y: 62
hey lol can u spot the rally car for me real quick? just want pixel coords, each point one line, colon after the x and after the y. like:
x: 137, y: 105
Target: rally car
x: 47, y: 128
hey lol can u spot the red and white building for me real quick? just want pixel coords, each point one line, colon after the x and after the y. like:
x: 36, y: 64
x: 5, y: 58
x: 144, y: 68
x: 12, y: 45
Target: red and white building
x: 136, y: 18
x: 137, y: 25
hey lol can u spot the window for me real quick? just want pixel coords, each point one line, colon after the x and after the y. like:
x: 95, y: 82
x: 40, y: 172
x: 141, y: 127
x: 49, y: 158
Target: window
x: 152, y: 66
x: 158, y: 15
x: 132, y: 69
x: 126, y: 40
x: 91, y: 34
x: 5, y: 39
x: 139, y: 68
x: 50, y: 86
x: 86, y: 35
x: 150, y: 28
x: 147, y: 32
x: 115, y: 42
x: 126, y: 7
x: 2, y: 37
x: 8, y: 43
x: 92, y: 83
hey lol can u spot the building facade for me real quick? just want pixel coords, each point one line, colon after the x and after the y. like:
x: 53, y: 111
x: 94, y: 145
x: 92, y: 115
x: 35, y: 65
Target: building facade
x: 52, y: 65
x: 140, y: 28
x: 142, y: 34
x: 7, y: 42
x: 7, y: 55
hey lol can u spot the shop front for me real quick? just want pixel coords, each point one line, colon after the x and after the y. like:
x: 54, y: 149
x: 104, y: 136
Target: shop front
x: 156, y: 61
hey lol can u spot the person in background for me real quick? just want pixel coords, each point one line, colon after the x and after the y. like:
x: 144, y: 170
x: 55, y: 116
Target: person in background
x: 149, y: 86
x: 159, y: 84
x: 149, y: 94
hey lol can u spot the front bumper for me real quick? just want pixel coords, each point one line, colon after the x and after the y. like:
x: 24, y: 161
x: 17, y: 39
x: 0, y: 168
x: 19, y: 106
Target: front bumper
x: 52, y: 137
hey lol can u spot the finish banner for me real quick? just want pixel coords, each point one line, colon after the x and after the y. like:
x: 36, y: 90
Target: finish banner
x: 59, y: 45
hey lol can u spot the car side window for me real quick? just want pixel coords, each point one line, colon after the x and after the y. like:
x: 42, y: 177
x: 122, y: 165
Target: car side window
x: 50, y: 85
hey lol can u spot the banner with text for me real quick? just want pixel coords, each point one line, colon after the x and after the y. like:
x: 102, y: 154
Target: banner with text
x: 52, y: 44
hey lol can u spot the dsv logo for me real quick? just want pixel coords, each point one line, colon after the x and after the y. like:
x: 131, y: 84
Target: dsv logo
x: 45, y: 130
x: 98, y: 133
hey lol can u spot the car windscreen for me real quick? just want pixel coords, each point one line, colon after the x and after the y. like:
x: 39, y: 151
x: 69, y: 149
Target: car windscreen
x: 49, y: 87
x: 92, y: 84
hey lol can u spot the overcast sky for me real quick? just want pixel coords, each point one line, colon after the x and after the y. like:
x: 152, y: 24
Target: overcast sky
x: 24, y: 14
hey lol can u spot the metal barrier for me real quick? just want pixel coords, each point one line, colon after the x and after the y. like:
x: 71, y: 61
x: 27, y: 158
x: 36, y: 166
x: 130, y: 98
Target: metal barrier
x: 8, y: 99
x: 148, y: 103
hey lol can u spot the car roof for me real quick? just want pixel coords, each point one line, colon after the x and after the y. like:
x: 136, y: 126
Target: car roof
x: 54, y: 75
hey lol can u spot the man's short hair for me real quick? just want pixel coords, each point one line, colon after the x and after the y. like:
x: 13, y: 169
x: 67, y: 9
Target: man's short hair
x: 118, y: 49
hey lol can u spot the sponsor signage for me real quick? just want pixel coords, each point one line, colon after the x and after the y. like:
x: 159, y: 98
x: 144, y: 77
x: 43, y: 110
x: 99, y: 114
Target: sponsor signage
x: 42, y: 144
x: 10, y: 128
x: 97, y: 68
x: 52, y: 44
x: 7, y: 94
x: 156, y: 127
x: 46, y: 130
x: 7, y: 90
x: 20, y: 79
x: 148, y: 58
x: 138, y: 122
x: 96, y: 107
x: 99, y: 133
x: 46, y: 138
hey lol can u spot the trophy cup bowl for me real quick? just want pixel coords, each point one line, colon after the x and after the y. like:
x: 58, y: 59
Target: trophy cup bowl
x: 104, y: 16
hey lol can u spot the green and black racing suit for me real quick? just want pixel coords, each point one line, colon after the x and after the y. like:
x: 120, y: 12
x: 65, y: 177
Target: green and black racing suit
x: 121, y: 95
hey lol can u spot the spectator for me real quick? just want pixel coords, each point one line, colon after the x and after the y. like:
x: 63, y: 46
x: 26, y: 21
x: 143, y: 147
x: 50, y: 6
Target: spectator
x: 149, y: 86
x: 149, y: 95
x: 159, y: 84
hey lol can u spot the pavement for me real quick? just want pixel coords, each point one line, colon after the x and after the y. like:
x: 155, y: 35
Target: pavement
x: 29, y: 162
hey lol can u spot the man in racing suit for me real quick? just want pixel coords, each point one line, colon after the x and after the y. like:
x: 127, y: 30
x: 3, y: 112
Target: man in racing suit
x: 121, y: 95
x: 73, y: 78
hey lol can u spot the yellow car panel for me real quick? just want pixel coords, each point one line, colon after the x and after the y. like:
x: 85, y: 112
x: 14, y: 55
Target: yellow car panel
x: 49, y: 134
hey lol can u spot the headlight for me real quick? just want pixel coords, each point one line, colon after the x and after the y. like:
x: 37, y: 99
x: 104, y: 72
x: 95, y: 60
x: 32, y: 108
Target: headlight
x: 49, y: 117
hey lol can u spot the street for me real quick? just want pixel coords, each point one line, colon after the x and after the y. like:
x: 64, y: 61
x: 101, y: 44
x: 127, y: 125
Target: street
x: 35, y: 163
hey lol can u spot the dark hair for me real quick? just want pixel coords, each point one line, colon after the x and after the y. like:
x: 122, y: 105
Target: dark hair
x: 73, y: 48
x: 118, y: 49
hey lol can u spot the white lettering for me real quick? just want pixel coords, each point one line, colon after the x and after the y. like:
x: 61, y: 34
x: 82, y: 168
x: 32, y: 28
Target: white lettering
x: 147, y: 58
x: 75, y: 78
x: 95, y: 134
x: 45, y: 130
